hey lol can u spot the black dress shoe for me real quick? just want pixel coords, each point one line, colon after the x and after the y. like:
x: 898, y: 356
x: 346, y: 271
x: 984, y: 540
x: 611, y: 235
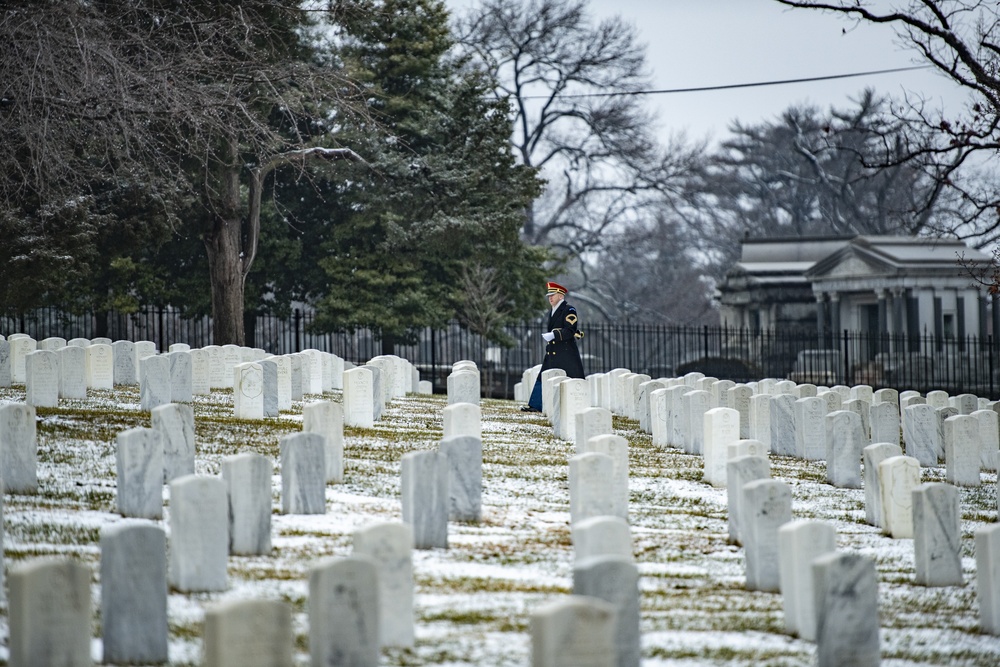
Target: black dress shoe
x: 528, y: 408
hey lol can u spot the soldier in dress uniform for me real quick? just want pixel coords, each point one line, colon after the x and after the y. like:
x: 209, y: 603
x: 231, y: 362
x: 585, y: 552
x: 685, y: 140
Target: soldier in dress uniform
x: 560, y: 343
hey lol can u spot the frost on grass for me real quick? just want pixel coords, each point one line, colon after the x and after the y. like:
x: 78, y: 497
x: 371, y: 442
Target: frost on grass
x: 474, y: 600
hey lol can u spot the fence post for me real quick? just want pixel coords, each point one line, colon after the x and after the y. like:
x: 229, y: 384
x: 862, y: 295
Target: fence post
x: 163, y: 340
x: 847, y: 360
x: 433, y: 360
x: 990, y: 346
x: 298, y: 330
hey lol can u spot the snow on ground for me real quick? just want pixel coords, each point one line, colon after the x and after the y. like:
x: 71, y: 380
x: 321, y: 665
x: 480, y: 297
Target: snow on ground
x: 474, y: 600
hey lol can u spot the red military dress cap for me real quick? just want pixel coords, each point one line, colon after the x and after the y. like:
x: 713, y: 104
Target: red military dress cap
x: 555, y: 288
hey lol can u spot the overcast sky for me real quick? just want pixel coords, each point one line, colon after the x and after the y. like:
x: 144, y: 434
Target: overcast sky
x: 696, y: 43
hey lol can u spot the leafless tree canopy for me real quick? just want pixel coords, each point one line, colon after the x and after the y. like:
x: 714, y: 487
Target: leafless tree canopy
x: 602, y: 163
x: 811, y: 172
x: 187, y: 100
x: 961, y: 39
x: 651, y: 272
x: 145, y: 89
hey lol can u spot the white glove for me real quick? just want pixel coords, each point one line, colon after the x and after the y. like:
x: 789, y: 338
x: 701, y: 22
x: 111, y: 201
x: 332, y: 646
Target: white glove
x: 548, y: 336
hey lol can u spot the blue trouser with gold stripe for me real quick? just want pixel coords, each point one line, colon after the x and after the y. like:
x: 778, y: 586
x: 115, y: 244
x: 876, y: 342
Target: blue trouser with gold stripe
x: 535, y: 400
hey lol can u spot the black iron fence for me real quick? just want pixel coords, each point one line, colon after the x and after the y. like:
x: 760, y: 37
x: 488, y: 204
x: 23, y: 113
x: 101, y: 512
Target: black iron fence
x: 919, y: 362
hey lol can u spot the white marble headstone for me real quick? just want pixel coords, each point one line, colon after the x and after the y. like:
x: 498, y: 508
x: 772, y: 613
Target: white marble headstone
x: 248, y: 632
x: 390, y: 545
x: 898, y: 477
x: 18, y: 448
x: 303, y: 473
x: 327, y: 419
x: 465, y: 481
x: 344, y: 612
x: 248, y: 390
x: 134, y: 593
x: 41, y: 379
x: 358, y: 397
x: 175, y: 424
x: 49, y: 618
x: 72, y: 372
x: 573, y: 631
x: 139, y: 461
x: 248, y: 486
x: 100, y: 367
x: 591, y: 491
x: 199, y: 534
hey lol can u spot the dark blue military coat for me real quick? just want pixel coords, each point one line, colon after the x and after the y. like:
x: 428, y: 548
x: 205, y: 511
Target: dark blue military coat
x: 562, y: 352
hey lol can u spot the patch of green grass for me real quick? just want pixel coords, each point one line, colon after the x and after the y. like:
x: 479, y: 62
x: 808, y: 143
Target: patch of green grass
x: 189, y: 631
x: 21, y: 553
x: 100, y: 499
x: 262, y: 572
x: 501, y: 622
x: 53, y: 533
x: 726, y: 654
x: 88, y: 423
x: 486, y: 585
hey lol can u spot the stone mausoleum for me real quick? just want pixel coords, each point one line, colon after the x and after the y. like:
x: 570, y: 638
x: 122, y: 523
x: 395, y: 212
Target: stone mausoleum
x: 871, y: 284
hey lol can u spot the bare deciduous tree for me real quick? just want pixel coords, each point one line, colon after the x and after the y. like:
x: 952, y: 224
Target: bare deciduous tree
x: 812, y: 173
x: 652, y: 273
x: 961, y: 40
x: 603, y: 166
x: 197, y: 101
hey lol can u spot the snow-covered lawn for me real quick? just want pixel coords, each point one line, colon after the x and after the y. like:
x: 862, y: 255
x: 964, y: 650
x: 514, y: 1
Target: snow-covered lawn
x: 474, y: 600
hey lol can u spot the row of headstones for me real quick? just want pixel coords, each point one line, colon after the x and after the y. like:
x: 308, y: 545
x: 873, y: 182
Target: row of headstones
x: 445, y: 484
x: 263, y: 385
x: 356, y: 605
x: 621, y: 391
x: 248, y: 484
x: 782, y: 555
x: 368, y: 388
x: 148, y: 457
x: 798, y: 427
x: 816, y: 592
x: 673, y: 411
x: 165, y: 452
x: 167, y: 445
x: 108, y: 363
x: 599, y: 623
x: 968, y: 442
x: 792, y: 557
x: 604, y: 570
x: 890, y: 479
x: 211, y: 518
x: 590, y: 475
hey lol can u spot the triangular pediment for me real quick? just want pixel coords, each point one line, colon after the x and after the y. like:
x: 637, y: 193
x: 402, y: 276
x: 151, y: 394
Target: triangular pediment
x: 849, y: 262
x: 854, y: 266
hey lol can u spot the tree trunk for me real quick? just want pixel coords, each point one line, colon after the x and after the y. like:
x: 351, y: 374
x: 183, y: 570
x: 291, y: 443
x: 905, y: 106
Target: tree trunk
x: 226, y: 274
x: 224, y: 245
x: 232, y: 244
x: 529, y: 223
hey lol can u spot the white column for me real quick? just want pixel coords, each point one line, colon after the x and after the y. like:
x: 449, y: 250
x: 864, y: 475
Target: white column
x: 971, y: 300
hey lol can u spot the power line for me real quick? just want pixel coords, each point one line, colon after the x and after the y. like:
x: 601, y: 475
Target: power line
x: 733, y: 86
